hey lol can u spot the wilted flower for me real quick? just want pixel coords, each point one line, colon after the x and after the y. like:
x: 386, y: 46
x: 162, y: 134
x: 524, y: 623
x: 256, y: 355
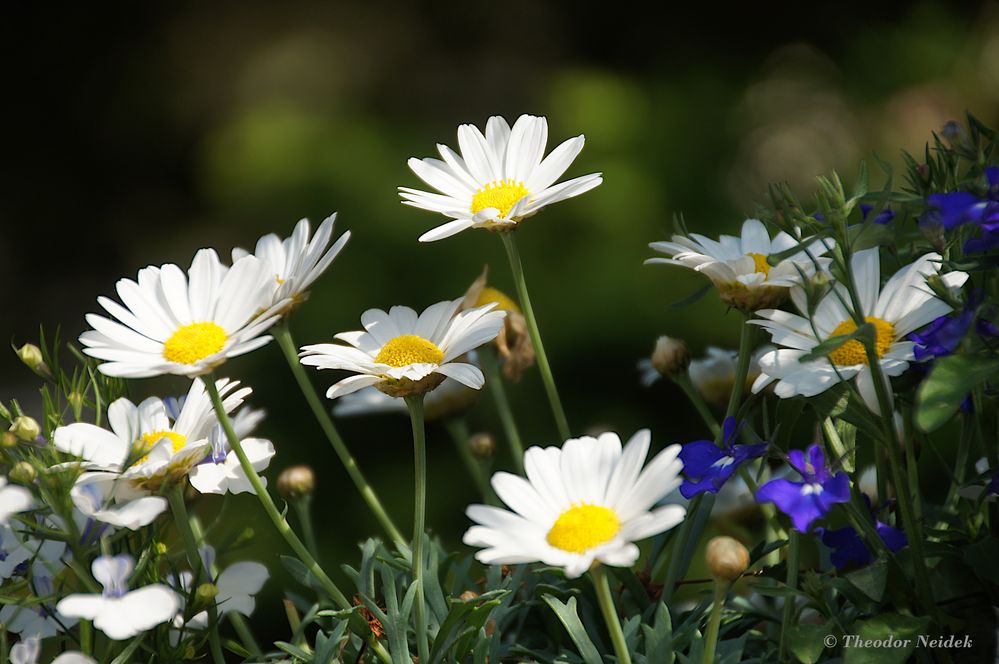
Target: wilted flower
x: 514, y: 341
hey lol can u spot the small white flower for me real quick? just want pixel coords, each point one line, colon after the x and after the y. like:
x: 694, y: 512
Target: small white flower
x: 402, y: 353
x: 13, y: 500
x: 585, y: 502
x: 15, y: 552
x: 297, y: 261
x: 98, y: 496
x: 903, y: 305
x: 498, y: 179
x: 185, y: 324
x: 39, y: 620
x: 220, y: 472
x: 26, y: 651
x: 118, y: 612
x: 236, y: 586
x: 149, y: 443
x: 739, y: 267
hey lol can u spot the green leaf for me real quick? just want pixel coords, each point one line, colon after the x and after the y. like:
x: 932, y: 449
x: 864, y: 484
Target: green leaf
x: 461, y: 611
x: 871, y: 580
x: 569, y: 618
x: 982, y: 556
x: 659, y: 637
x: 891, y: 638
x: 806, y: 641
x: 126, y: 655
x: 301, y: 573
x: 294, y: 651
x: 949, y: 382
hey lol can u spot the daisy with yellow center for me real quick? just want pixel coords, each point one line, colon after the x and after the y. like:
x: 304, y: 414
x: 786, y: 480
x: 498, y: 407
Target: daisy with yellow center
x: 172, y: 322
x: 903, y: 305
x: 584, y: 503
x: 402, y: 353
x: 498, y: 179
x: 148, y: 444
x: 740, y: 267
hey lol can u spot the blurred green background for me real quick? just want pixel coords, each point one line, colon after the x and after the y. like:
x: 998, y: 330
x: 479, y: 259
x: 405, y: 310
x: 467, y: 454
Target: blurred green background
x: 138, y: 133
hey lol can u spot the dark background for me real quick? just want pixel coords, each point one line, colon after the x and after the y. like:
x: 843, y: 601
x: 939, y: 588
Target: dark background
x: 138, y: 133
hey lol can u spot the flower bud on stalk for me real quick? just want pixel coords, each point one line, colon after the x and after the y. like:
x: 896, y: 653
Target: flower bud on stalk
x: 296, y: 482
x: 205, y: 594
x: 483, y: 444
x: 7, y: 439
x: 26, y: 428
x: 727, y: 558
x: 23, y: 473
x: 670, y: 356
x: 513, y: 342
x: 31, y: 355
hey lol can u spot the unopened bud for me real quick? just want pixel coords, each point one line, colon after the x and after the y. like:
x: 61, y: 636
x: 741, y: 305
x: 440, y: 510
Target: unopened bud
x: 205, y: 594
x: 727, y: 558
x: 31, y: 355
x: 160, y: 548
x: 7, y: 439
x: 483, y: 444
x: 295, y: 482
x: 244, y: 537
x: 670, y: 356
x: 468, y: 595
x: 22, y: 473
x: 75, y: 400
x: 25, y: 428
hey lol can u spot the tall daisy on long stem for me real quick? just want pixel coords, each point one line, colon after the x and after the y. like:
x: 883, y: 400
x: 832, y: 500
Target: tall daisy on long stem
x: 497, y: 181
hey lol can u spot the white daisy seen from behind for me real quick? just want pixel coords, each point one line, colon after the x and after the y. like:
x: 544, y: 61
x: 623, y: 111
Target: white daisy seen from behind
x: 583, y: 503
x: 903, y: 305
x: 499, y: 178
x: 297, y: 261
x: 739, y: 267
x: 402, y: 353
x: 174, y: 322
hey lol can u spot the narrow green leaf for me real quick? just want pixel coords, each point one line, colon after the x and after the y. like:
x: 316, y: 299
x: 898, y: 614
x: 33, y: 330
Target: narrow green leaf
x: 949, y: 382
x: 569, y: 618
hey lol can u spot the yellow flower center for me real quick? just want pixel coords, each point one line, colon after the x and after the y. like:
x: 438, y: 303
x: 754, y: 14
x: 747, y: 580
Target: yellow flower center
x: 583, y: 527
x: 148, y: 440
x: 853, y: 351
x: 194, y: 342
x: 502, y: 195
x: 761, y: 264
x: 409, y: 349
x: 488, y: 295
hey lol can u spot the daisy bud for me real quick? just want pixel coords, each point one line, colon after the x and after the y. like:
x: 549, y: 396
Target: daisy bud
x: 483, y: 444
x: 295, y: 482
x: 7, y: 439
x: 468, y: 595
x: 670, y: 356
x: 22, y: 473
x: 31, y: 355
x: 727, y: 558
x: 25, y: 428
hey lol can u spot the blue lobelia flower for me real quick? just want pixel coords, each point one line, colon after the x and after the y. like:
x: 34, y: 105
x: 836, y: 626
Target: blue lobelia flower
x: 882, y: 218
x: 811, y: 499
x: 708, y: 466
x: 847, y: 546
x: 958, y: 208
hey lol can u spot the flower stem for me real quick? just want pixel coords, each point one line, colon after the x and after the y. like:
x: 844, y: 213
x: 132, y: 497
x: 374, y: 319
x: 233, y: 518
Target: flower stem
x: 494, y: 382
x: 280, y: 523
x: 183, y: 522
x: 609, y: 612
x: 415, y: 403
x: 458, y: 428
x: 510, y: 243
x: 283, y: 335
x: 741, y: 370
x: 714, y: 621
x: 303, y: 510
x: 683, y: 381
x: 792, y: 583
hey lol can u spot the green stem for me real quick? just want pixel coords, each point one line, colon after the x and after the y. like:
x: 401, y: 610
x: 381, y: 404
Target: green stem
x: 283, y: 335
x: 961, y: 462
x: 86, y: 637
x: 741, y: 370
x: 792, y: 583
x: 415, y: 403
x: 245, y: 635
x: 280, y: 523
x: 714, y: 621
x: 496, y: 387
x: 303, y: 510
x: 510, y: 243
x: 607, y: 608
x: 183, y: 522
x: 683, y: 380
x: 458, y: 428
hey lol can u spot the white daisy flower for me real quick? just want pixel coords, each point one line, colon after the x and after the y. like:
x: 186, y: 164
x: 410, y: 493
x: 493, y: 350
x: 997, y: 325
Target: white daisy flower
x: 118, y: 612
x: 185, y: 324
x: 903, y: 305
x: 297, y: 261
x: 13, y: 500
x: 402, y: 353
x: 148, y: 444
x: 498, y: 179
x: 583, y: 503
x: 739, y: 266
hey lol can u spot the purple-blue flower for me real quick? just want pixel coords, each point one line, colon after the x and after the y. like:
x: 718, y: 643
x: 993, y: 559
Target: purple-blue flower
x: 942, y: 337
x: 883, y: 217
x: 708, y: 466
x: 957, y: 208
x: 812, y: 498
x: 847, y: 546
